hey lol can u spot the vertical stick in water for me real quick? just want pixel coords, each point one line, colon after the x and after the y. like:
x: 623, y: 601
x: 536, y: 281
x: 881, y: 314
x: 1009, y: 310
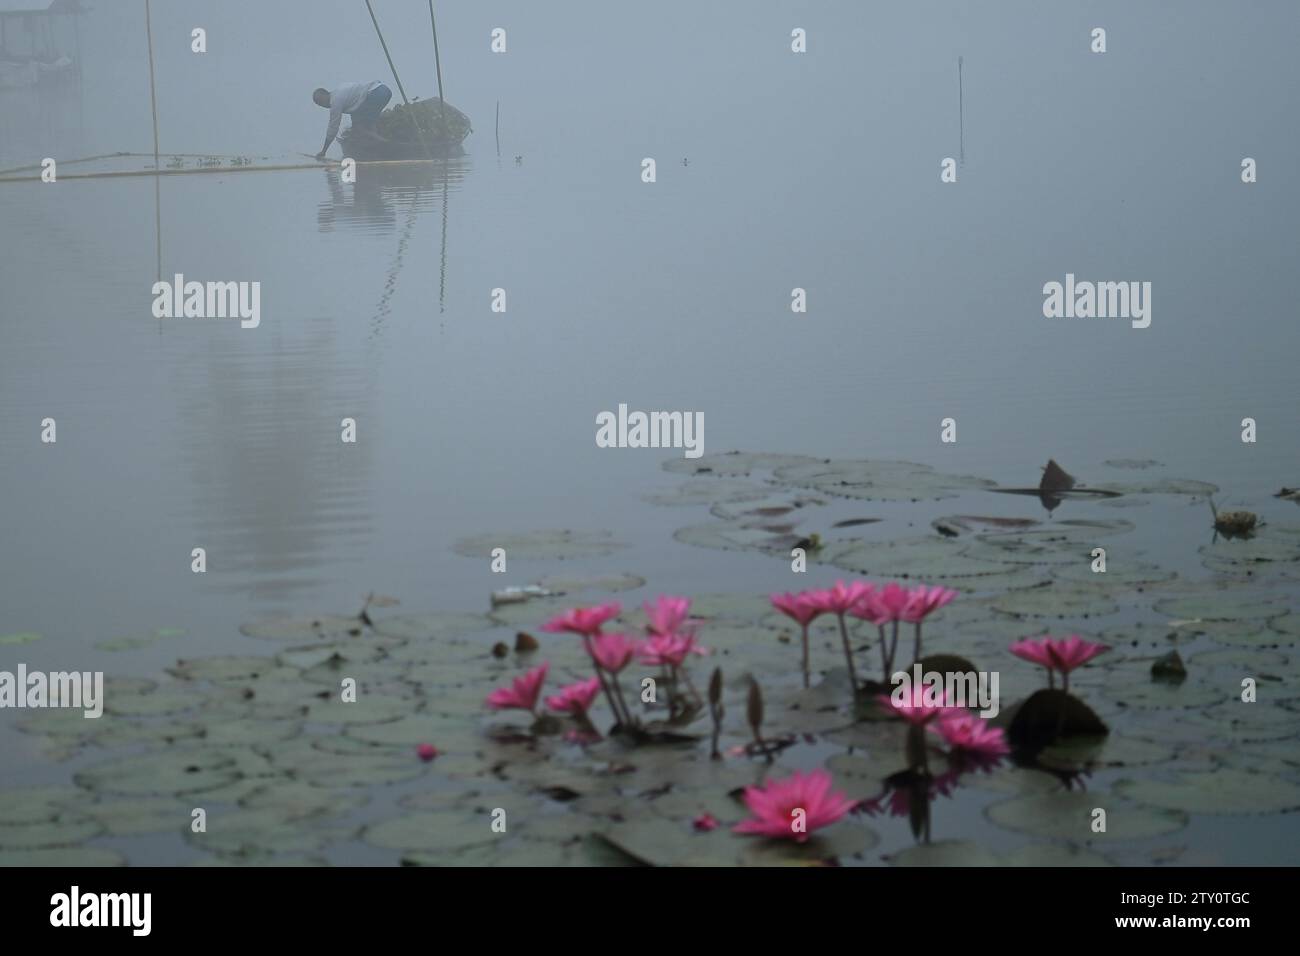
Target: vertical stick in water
x: 961, y: 112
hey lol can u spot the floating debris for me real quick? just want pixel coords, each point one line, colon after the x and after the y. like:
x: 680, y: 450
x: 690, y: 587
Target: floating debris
x: 517, y: 595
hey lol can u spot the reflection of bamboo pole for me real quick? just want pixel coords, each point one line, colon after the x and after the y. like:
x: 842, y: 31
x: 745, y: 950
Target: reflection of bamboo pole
x: 961, y: 112
x: 442, y: 265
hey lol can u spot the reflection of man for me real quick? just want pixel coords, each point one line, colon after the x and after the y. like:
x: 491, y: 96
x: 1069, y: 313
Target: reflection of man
x: 362, y: 101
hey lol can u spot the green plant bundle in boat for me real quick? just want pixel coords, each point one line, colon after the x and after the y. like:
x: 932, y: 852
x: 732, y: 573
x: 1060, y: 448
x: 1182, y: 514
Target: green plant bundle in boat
x: 437, y: 122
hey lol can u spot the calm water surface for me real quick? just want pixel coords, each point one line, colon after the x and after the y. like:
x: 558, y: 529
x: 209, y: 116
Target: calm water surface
x: 819, y: 172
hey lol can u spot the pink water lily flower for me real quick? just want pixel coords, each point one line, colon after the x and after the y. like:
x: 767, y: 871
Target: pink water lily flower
x: 802, y: 608
x: 890, y: 602
x: 1070, y: 652
x: 705, y: 823
x: 923, y: 600
x: 917, y: 703
x: 964, y: 731
x: 667, y: 614
x: 1058, y: 654
x: 586, y: 621
x: 1033, y: 650
x: 426, y: 752
x: 841, y: 598
x: 523, y: 693
x: 776, y: 807
x: 669, y: 650
x: 612, y: 652
x: 576, y: 698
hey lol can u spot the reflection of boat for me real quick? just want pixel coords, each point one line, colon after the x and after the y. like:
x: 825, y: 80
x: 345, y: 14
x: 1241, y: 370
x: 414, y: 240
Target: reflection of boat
x: 365, y: 146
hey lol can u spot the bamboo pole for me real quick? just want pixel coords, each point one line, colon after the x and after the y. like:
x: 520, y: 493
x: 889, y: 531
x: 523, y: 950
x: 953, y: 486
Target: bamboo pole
x: 153, y: 97
x: 397, y: 79
x: 437, y: 62
x: 118, y: 174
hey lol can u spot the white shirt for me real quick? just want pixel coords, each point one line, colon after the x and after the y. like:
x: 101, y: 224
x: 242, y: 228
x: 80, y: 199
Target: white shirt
x: 345, y: 98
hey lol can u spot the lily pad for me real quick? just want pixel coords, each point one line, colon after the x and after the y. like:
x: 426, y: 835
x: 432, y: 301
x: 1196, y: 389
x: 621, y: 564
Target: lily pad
x: 1056, y: 600
x: 573, y: 583
x: 180, y: 771
x: 946, y: 853
x: 66, y: 830
x: 64, y: 856
x: 439, y: 832
x: 732, y: 464
x: 708, y: 491
x: 331, y: 627
x: 24, y: 637
x: 878, y: 480
x: 558, y: 545
x: 139, y: 815
x: 1215, y: 792
x: 1068, y: 814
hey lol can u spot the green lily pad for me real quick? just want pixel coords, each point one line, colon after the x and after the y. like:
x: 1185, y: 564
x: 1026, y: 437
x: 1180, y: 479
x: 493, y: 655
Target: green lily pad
x: 150, y: 703
x: 1104, y: 751
x: 1068, y: 815
x: 1218, y: 604
x: 426, y: 627
x: 1164, y: 486
x: 1055, y: 854
x: 946, y: 853
x: 261, y: 832
x: 180, y: 771
x: 928, y: 559
x: 331, y: 627
x: 707, y: 491
x: 63, y: 856
x: 878, y: 480
x: 842, y: 840
x: 229, y: 669
x: 1215, y: 792
x: 574, y: 584
x: 64, y: 831
x: 439, y: 832
x: 1056, y: 600
x: 38, y: 804
x: 732, y: 464
x: 24, y: 637
x: 551, y: 545
x: 139, y: 815
x: 736, y: 536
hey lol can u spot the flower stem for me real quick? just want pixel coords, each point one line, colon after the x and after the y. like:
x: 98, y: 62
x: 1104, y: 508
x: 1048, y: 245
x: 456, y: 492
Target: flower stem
x: 916, y: 654
x: 848, y: 655
x: 805, y: 656
x: 600, y: 675
x: 884, y: 662
x: 618, y: 689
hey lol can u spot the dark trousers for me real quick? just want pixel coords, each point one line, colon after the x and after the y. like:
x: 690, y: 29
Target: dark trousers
x: 365, y: 115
